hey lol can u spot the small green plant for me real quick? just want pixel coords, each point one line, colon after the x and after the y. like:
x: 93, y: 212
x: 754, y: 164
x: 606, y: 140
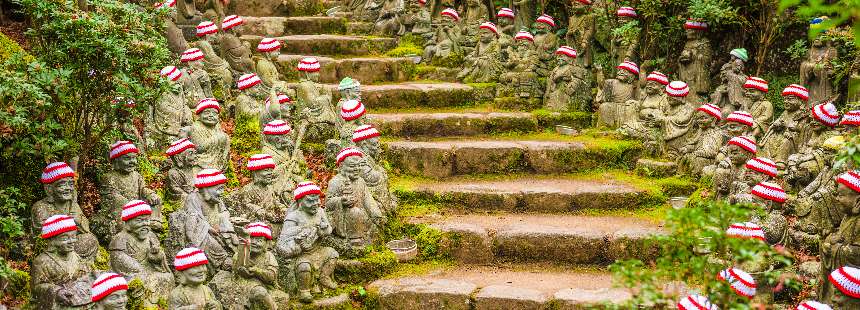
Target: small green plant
x: 798, y: 49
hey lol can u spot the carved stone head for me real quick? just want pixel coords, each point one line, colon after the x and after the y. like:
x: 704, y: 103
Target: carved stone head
x: 487, y: 36
x: 280, y: 142
x: 625, y: 76
x: 212, y: 194
x: 195, y: 64
x: 209, y: 117
x: 847, y: 199
x: 704, y: 120
x: 138, y: 226
x: 263, y: 177
x: 62, y: 190
x: 792, y: 103
x: 273, y: 55
x: 692, y: 34
x: 258, y: 245
x: 370, y: 147
x: 737, y: 155
x: 125, y: 164
x: 753, y: 94
x: 186, y: 159
x: 309, y: 204
x: 63, y: 243
x: 735, y: 129
x: 193, y: 276
x: 115, y: 301
x: 351, y: 167
x: 653, y: 88
x: 313, y: 76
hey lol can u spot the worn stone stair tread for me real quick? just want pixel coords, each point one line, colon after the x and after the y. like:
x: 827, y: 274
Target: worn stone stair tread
x: 452, y: 123
x: 277, y: 26
x: 412, y: 94
x: 367, y: 70
x: 329, y: 44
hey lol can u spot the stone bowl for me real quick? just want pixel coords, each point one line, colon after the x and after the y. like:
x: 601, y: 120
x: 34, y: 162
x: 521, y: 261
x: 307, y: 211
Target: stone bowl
x: 404, y: 249
x: 566, y: 130
x: 416, y: 59
x: 678, y: 202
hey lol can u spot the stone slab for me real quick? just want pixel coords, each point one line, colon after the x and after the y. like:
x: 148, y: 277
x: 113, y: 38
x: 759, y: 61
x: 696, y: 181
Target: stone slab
x: 580, y: 299
x: 452, y: 124
x: 422, y: 293
x: 329, y: 44
x: 367, y: 70
x: 276, y: 7
x: 411, y: 95
x: 274, y: 26
x: 509, y: 297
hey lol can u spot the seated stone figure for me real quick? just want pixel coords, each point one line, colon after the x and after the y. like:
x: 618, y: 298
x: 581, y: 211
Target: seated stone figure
x: 251, y: 98
x: 739, y: 150
x: 483, y: 64
x: 237, y: 54
x: 58, y: 179
x: 811, y: 155
x: 568, y: 87
x: 781, y: 138
x: 315, y: 100
x: 180, y: 177
x: 755, y: 171
x: 842, y: 247
x: 217, y: 67
x: 169, y: 114
x: 615, y: 94
x: 261, y: 200
x: 195, y: 80
x: 136, y: 252
x: 356, y: 216
x: 366, y: 138
x: 266, y: 69
x: 109, y: 292
x: 253, y: 282
x: 505, y: 17
x: 771, y: 196
x: 520, y: 79
x: 60, y: 278
x: 760, y: 108
x: 352, y: 113
x: 447, y: 39
x: 677, y: 119
x: 816, y: 216
x: 290, y: 165
x: 546, y: 42
x: 738, y: 123
x: 390, y: 20
x: 192, y: 292
x: 729, y: 94
x: 350, y: 89
x: 312, y: 264
x: 212, y: 144
x: 704, y: 144
x: 280, y: 109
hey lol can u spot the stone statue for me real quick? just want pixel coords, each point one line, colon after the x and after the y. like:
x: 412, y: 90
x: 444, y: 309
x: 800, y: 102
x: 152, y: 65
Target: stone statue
x: 213, y: 145
x: 180, y: 177
x: 617, y: 94
x: 525, y: 11
x: 771, y: 196
x: 261, y: 200
x: 694, y: 64
x: 352, y: 114
x: 60, y: 278
x: 755, y: 171
x: 390, y: 20
x: 816, y: 72
x: 175, y: 39
x: 624, y: 46
x: 250, y: 101
x: 677, y: 119
x: 187, y: 12
x: 811, y: 155
x: 282, y: 109
x: 195, y: 80
x: 253, y: 282
x: 781, y: 138
x: 58, y: 179
x: 842, y: 247
x: 447, y: 39
x: 217, y: 67
x: 816, y: 214
x: 237, y: 54
x: 366, y: 138
x: 729, y: 95
x: 304, y: 229
x: 704, y: 143
x: 854, y: 83
x: 169, y: 114
x: 520, y: 80
x: 192, y: 292
x: 759, y: 107
x: 290, y: 165
x: 109, y: 292
x: 417, y: 20
x: 505, y: 17
x: 123, y: 120
x: 568, y: 87
x: 739, y: 150
x: 136, y: 252
x: 349, y: 89
x: 484, y: 64
x: 546, y: 43
x: 581, y: 29
x: 476, y: 13
x: 267, y: 71
x: 355, y: 215
x: 315, y: 100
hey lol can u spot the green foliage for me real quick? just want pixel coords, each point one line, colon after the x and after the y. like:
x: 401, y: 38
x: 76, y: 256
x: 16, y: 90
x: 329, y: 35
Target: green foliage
x: 9, y: 48
x: 776, y: 83
x: 12, y: 225
x: 408, y: 45
x: 246, y: 136
x: 629, y: 32
x: 14, y: 282
x: 378, y: 262
x: 102, y: 261
x: 840, y: 12
x: 797, y: 50
x: 715, y: 12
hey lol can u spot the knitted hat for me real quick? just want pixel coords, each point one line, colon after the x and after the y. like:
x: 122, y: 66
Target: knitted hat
x: 745, y: 230
x: 208, y: 178
x: 206, y: 28
x: 231, y: 21
x: 769, y: 191
x: 348, y: 152
x: 346, y: 83
x: 364, y: 132
x: 305, y: 188
x: 745, y: 143
x: 586, y: 2
x: 106, y: 284
x: 268, y: 44
x: 629, y: 66
x: 189, y: 257
x: 351, y: 110
x: 422, y: 2
x: 55, y: 171
x: 756, y: 83
x: 277, y: 127
x: 120, y: 148
x: 451, y: 13
x: 812, y: 305
x: 506, y: 12
x: 524, y: 35
x: 309, y: 64
x: 207, y: 103
x: 851, y: 179
x: 741, y: 282
x: 658, y: 77
x: 741, y: 117
x: 566, y: 50
x: 546, y: 19
x: 165, y: 4
x: 740, y: 53
x: 626, y: 11
x: 260, y: 162
x: 489, y: 26
x: 763, y: 165
x: 180, y: 146
x: 826, y: 113
x: 282, y: 99
x: 796, y: 90
x: 695, y: 24
x: 56, y: 225
x: 712, y: 110
x: 851, y: 118
x: 191, y: 54
x: 677, y: 89
x: 248, y: 80
x: 135, y: 208
x: 696, y: 302
x: 847, y: 280
x: 259, y: 229
x: 171, y: 73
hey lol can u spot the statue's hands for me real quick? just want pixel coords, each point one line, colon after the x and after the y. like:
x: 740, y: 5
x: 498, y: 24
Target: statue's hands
x: 65, y: 297
x: 244, y: 271
x: 212, y: 305
x: 154, y: 199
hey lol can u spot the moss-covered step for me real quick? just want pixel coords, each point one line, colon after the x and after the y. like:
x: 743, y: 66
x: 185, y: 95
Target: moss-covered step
x: 415, y: 94
x: 470, y: 123
x: 329, y: 44
x: 284, y: 26
x: 277, y: 7
x: 520, y: 286
x: 367, y: 70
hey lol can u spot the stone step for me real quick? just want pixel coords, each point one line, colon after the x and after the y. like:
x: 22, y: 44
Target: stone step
x: 246, y: 8
x: 286, y: 26
x: 513, y: 287
x: 442, y: 124
x: 367, y: 70
x: 416, y: 94
x: 329, y: 44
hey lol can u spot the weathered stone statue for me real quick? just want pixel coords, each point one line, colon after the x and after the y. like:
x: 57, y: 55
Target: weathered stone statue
x: 109, y: 292
x: 677, y: 119
x: 192, y: 292
x: 525, y: 13
x: 845, y: 282
x: 261, y: 200
x: 418, y: 19
x: 781, y: 138
x: 136, y: 252
x: 304, y: 228
x: 123, y: 121
x: 58, y: 179
x: 624, y: 46
x: 759, y: 107
x: 811, y: 155
x: 390, y: 20
x: 192, y: 11
x: 476, y: 13
x: 739, y: 123
x: 60, y: 278
x: 366, y: 138
x: 180, y: 177
x: 568, y: 87
x: 842, y: 247
x: 352, y: 114
x: 520, y: 80
x: 213, y: 145
x: 771, y: 196
x: 356, y: 216
x: 756, y: 170
x: 447, y: 38
x: 169, y: 114
x: 484, y: 64
x: 315, y: 100
x: 252, y: 96
x: 187, y: 12
x: 175, y: 40
x: 290, y: 165
x: 237, y: 54
x: 253, y: 282
x: 616, y: 94
x: 217, y: 67
x: 581, y: 29
x: 195, y: 80
x: 267, y: 71
x: 854, y: 83
x: 704, y: 143
x: 816, y: 214
x: 654, y: 95
x: 816, y: 72
x: 349, y: 89
x: 738, y: 151
x: 546, y: 43
x: 695, y: 61
x: 505, y: 17
x: 729, y: 95
x: 281, y: 109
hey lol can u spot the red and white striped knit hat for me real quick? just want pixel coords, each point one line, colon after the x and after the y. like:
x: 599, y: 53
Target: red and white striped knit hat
x: 489, y: 26
x: 277, y: 127
x: 847, y: 280
x: 135, y: 208
x: 352, y: 109
x: 171, y: 73
x: 695, y: 24
x: 851, y: 118
x: 851, y: 179
x: 268, y: 44
x: 626, y: 11
x: 57, y: 224
x: 180, y: 146
x: 189, y: 257
x: 248, y: 80
x: 812, y: 305
x: 546, y: 19
x: 231, y: 21
x: 364, y: 132
x: 260, y: 162
x: 826, y: 113
x: 658, y: 77
x: 696, y: 302
x: 259, y: 229
x: 106, y: 284
x: 796, y: 90
x: 282, y: 98
x: 741, y: 282
x: 524, y: 35
x: 165, y: 4
x: 422, y: 2
x: 348, y: 152
x: 451, y: 13
x: 745, y: 143
x: 745, y: 230
x: 712, y: 110
x: 506, y: 12
x: 566, y: 50
x: 763, y: 165
x: 769, y: 191
x: 191, y: 54
x: 306, y: 188
x: 586, y: 2
x: 309, y: 64
x: 677, y: 89
x: 205, y: 28
x: 207, y: 103
x: 55, y: 171
x: 208, y: 178
x: 756, y: 83
x: 120, y: 148
x: 629, y: 66
x: 742, y: 117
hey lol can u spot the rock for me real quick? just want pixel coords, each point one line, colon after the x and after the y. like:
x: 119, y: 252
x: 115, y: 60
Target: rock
x: 577, y: 298
x: 452, y: 124
x: 655, y: 168
x: 276, y: 8
x: 508, y: 297
x: 470, y: 244
x: 285, y: 26
x: 335, y: 302
x: 365, y: 70
x: 328, y: 44
x: 417, y: 293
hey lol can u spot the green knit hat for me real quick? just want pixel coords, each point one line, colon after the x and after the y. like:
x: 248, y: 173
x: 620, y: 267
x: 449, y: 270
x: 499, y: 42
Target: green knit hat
x: 346, y: 83
x: 740, y: 53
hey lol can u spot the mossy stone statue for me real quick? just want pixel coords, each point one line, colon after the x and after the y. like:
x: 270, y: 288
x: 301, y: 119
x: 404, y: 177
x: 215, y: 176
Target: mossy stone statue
x: 355, y: 215
x: 136, y: 252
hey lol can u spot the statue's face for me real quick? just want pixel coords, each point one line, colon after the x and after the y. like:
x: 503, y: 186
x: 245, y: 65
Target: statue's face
x: 692, y: 34
x: 212, y: 194
x: 562, y: 60
x: 737, y: 155
x: 258, y: 245
x: 753, y: 93
x: 370, y: 146
x: 310, y: 204
x: 704, y: 120
x: 126, y: 163
x: 264, y: 176
x: 736, y: 129
x: 187, y: 157
x: 817, y: 42
x: 351, y: 167
x: 578, y: 7
x: 313, y: 76
x: 197, y: 64
x: 114, y: 301
x: 209, y: 117
x: 800, y: 172
x: 64, y: 243
x: 274, y: 54
x: 542, y: 28
x: 624, y: 75
x: 524, y: 44
x: 195, y: 275
x: 675, y: 101
x: 752, y: 177
x: 504, y: 22
x: 652, y: 87
x: 281, y: 142
x: 61, y: 190
x: 846, y: 198
x: 649, y: 118
x: 487, y: 36
x: 792, y: 102
x: 139, y: 226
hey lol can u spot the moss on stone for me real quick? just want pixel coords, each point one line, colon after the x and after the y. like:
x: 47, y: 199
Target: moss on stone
x: 102, y: 261
x: 378, y: 262
x: 549, y: 119
x: 455, y: 60
x: 17, y: 283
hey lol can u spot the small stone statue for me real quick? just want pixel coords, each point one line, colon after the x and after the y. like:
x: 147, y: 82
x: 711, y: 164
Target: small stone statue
x: 816, y: 72
x: 505, y: 17
x: 315, y: 100
x: 188, y: 13
x: 290, y: 165
x: 260, y: 200
x: 355, y: 215
x: 739, y: 150
x: 109, y: 292
x: 123, y: 120
x: 476, y: 13
x: 237, y: 54
x: 521, y: 80
x: 755, y: 171
x: 180, y: 177
x: 282, y: 109
x: 60, y: 278
x: 568, y: 87
x: 525, y: 13
x: 166, y: 118
x: 192, y: 292
x: 781, y: 138
x: 349, y: 90
x: 266, y: 69
x: 58, y: 179
x: 842, y: 247
x: 483, y: 65
x: 304, y: 228
x: 581, y: 29
x: 677, y: 119
x: 418, y: 19
x: 760, y: 108
x: 624, y: 46
x: 739, y: 123
x: 136, y: 252
x: 175, y: 39
x: 655, y: 97
x: 811, y: 156
x: 253, y: 282
x: 213, y: 145
x: 649, y: 126
x: 816, y: 214
x: 774, y: 224
x: 366, y: 138
x: 703, y: 146
x: 695, y: 61
x: 729, y: 95
x: 195, y: 80
x: 352, y: 114
x: 447, y: 39
x: 217, y: 67
x: 616, y: 94
x: 546, y: 43
x: 390, y: 20
x: 250, y: 101
x: 845, y: 280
